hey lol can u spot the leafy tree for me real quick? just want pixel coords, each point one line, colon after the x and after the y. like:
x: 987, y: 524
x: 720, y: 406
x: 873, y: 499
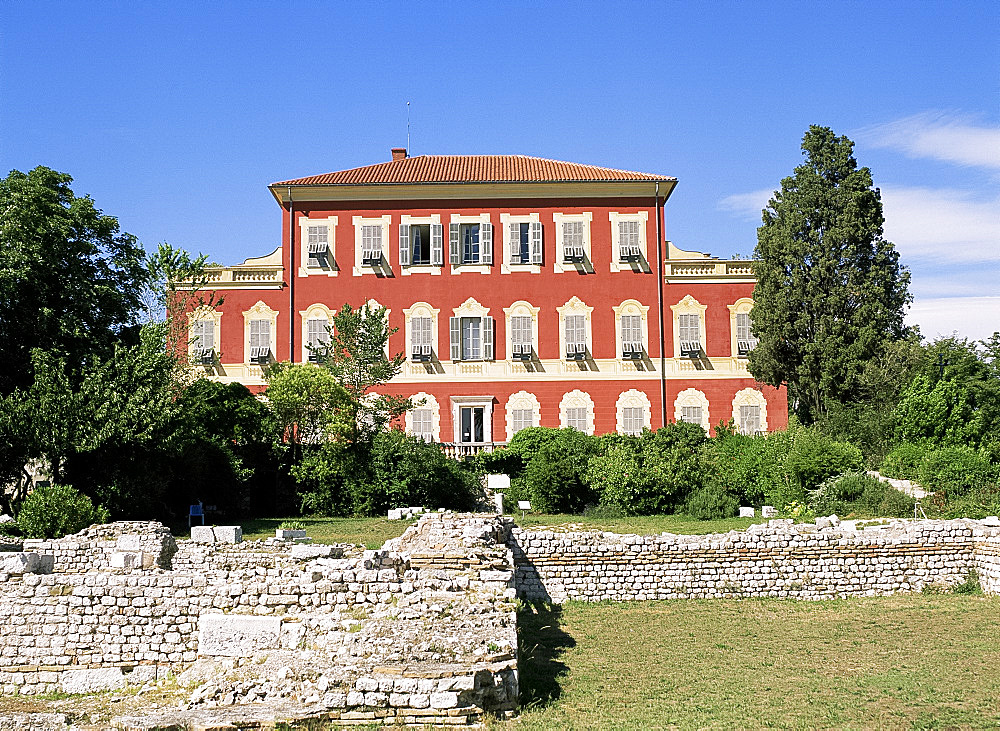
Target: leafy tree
x: 308, y: 403
x: 70, y: 281
x: 356, y: 355
x: 57, y: 511
x: 954, y: 398
x: 830, y: 290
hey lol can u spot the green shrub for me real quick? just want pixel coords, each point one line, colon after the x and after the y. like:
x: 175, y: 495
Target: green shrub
x: 815, y: 457
x: 903, y: 462
x: 291, y: 525
x: 858, y: 492
x: 978, y: 502
x: 953, y: 471
x: 711, y: 502
x: 57, y: 511
x: 555, y: 476
x: 652, y: 474
x: 752, y: 468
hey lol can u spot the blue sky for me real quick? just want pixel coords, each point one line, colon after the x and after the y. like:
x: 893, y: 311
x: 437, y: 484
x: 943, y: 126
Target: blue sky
x: 175, y: 116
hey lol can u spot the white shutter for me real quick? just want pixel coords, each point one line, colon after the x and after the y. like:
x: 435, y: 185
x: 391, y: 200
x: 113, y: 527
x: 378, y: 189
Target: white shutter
x: 514, y: 234
x: 404, y: 244
x: 486, y: 243
x: 454, y: 244
x: 437, y: 244
x: 456, y: 337
x: 536, y: 242
x: 487, y: 338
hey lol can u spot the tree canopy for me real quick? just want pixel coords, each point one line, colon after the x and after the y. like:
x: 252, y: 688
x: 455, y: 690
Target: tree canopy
x: 70, y: 280
x: 830, y: 290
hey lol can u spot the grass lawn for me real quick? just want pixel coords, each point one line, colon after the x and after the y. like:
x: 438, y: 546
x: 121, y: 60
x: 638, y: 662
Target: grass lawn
x: 641, y: 525
x: 373, y: 532
x: 910, y: 661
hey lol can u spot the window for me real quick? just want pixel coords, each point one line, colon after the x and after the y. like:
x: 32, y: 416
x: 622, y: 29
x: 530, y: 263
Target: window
x: 317, y: 336
x: 632, y: 420
x: 749, y: 419
x: 371, y: 244
x: 521, y: 419
x: 203, y: 341
x: 318, y: 246
x: 691, y: 406
x: 421, y: 243
x: 576, y: 418
x: 691, y: 414
x: 631, y: 326
x: 573, y: 242
x: 317, y: 242
x: 633, y: 412
x: 470, y: 243
x: 422, y: 424
x: 473, y: 419
x: 628, y: 241
x: 689, y: 334
x: 260, y: 341
x: 522, y: 412
x: 471, y: 338
x: 525, y: 241
x: 576, y: 410
x: 750, y: 411
x: 421, y: 342
x: 745, y: 341
x: 521, y: 337
x: 576, y: 337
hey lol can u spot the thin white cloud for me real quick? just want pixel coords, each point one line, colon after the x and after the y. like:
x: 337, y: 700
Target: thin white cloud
x: 938, y: 136
x: 971, y: 317
x: 943, y: 225
x: 747, y: 206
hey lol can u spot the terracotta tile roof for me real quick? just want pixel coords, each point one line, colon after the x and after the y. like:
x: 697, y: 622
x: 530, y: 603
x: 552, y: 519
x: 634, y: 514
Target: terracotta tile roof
x: 473, y: 169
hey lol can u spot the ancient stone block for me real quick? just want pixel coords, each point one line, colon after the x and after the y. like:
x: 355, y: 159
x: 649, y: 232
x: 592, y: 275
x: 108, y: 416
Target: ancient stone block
x: 91, y: 680
x: 228, y: 534
x: 748, y: 513
x: 19, y: 563
x: 202, y: 534
x: 236, y: 635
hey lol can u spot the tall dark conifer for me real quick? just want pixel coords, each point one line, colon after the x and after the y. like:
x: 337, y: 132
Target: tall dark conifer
x: 830, y: 289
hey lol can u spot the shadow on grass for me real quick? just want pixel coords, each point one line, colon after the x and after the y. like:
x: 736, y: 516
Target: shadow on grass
x: 541, y: 642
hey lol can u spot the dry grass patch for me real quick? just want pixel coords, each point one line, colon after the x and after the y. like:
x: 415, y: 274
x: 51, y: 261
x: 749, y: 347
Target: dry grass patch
x: 909, y: 661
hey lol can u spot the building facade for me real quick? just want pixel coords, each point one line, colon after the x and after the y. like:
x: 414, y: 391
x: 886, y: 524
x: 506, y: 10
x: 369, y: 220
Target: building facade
x: 525, y: 292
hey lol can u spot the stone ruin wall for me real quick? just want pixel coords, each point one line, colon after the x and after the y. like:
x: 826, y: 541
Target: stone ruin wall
x: 377, y: 636
x: 422, y: 631
x: 776, y: 559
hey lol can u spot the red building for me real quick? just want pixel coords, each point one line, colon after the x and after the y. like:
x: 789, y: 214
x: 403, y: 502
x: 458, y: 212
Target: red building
x: 525, y: 292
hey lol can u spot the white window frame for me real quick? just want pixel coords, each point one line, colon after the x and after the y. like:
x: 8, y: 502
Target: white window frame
x: 315, y: 311
x: 487, y: 237
x: 259, y: 311
x: 522, y: 401
x: 692, y: 397
x: 559, y: 265
x: 431, y: 404
x: 577, y: 399
x: 457, y: 402
x: 534, y: 224
x: 617, y: 265
x: 204, y: 315
x: 360, y: 268
x: 632, y: 399
x: 688, y: 306
x: 521, y: 308
x: 331, y: 270
x: 472, y: 310
x: 741, y: 307
x: 421, y: 310
x: 432, y: 220
x: 749, y: 397
x: 575, y: 306
x: 632, y: 308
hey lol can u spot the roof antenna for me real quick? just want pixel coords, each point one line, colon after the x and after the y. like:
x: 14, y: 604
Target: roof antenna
x: 407, y: 129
